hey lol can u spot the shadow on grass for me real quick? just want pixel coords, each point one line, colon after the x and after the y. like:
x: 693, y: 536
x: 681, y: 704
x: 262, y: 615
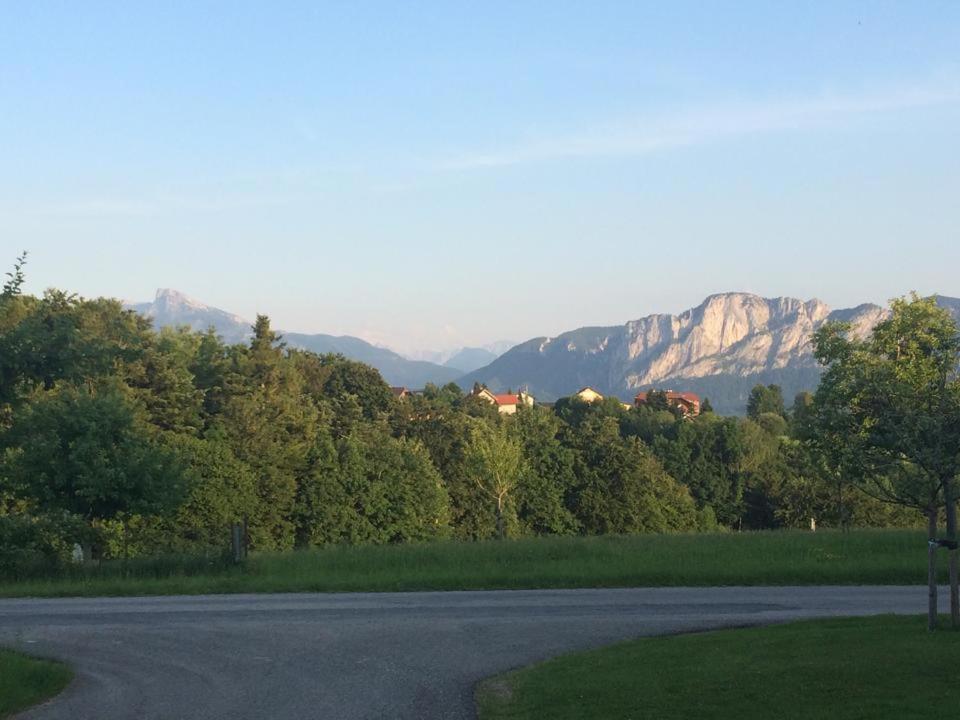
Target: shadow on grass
x: 26, y: 681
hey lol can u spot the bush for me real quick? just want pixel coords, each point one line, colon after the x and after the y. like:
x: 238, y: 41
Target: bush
x: 31, y: 547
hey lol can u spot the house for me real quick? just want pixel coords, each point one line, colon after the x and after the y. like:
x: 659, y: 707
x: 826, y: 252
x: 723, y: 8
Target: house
x: 588, y: 395
x: 687, y: 403
x: 507, y: 403
x: 400, y: 392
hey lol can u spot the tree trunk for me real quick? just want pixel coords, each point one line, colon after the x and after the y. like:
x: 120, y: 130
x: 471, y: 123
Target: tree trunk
x: 126, y: 546
x: 500, y: 518
x: 932, y: 569
x: 952, y: 552
x: 843, y: 517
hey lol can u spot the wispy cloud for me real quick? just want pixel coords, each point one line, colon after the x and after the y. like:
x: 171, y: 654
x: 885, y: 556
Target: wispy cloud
x: 641, y: 135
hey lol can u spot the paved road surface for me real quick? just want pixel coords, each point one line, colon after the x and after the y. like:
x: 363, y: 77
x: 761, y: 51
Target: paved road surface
x: 346, y: 656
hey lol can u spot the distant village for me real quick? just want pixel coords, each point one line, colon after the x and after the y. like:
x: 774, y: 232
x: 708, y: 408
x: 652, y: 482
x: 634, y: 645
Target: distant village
x: 685, y: 403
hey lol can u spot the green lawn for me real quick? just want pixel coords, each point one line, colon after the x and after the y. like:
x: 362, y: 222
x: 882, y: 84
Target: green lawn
x: 25, y: 681
x: 863, y: 668
x: 762, y: 558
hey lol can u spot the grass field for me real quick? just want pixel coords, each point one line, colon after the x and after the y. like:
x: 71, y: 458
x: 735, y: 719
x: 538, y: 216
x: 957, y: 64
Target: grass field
x: 25, y: 681
x: 886, y: 667
x: 763, y: 558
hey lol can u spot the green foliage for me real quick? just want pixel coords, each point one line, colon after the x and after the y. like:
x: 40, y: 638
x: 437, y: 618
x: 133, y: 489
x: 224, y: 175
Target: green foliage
x: 11, y: 288
x: 712, y: 457
x: 648, y: 424
x: 765, y: 399
x: 541, y: 499
x: 373, y: 489
x: 89, y: 452
x: 887, y: 412
x: 61, y: 338
x: 623, y: 488
x: 30, y: 546
x: 802, y: 413
x: 657, y: 400
x: 496, y: 464
x: 574, y: 411
x: 773, y: 423
x: 223, y: 491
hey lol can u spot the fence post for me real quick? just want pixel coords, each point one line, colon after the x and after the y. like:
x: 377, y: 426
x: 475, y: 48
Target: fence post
x: 236, y: 542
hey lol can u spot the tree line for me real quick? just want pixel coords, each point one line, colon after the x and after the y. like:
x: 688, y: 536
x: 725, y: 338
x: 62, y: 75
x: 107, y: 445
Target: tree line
x: 129, y: 440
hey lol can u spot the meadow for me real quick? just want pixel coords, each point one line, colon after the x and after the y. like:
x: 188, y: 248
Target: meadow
x: 843, y: 669
x: 751, y: 558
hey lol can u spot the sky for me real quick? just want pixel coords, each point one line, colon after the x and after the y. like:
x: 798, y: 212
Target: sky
x: 431, y: 175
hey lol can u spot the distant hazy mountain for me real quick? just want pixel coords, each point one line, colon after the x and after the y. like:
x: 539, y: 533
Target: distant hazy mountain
x: 465, y: 359
x: 469, y: 359
x: 719, y: 349
x: 396, y: 369
x: 174, y: 308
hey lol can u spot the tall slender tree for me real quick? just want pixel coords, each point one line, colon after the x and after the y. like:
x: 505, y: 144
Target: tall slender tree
x: 888, y: 414
x: 495, y: 463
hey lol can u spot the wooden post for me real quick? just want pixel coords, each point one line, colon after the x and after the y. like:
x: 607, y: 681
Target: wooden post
x: 236, y: 542
x: 932, y: 568
x: 952, y: 552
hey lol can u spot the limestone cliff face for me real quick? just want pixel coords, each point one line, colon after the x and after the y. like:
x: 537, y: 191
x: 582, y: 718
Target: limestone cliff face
x: 719, y: 348
x: 733, y: 333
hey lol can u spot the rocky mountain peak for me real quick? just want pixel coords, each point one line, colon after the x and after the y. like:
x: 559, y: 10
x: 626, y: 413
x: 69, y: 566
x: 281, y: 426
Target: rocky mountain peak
x: 168, y: 299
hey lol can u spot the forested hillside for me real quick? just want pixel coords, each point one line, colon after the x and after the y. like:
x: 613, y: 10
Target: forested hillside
x: 129, y: 440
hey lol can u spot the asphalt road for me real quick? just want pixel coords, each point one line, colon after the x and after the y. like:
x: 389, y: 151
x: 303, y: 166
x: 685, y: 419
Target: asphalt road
x: 346, y: 656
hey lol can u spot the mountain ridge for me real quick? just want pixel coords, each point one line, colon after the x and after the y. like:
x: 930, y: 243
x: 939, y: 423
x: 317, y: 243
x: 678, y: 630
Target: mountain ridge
x: 720, y: 349
x: 174, y: 308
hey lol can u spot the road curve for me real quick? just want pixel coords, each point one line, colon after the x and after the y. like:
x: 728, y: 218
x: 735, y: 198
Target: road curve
x: 363, y: 655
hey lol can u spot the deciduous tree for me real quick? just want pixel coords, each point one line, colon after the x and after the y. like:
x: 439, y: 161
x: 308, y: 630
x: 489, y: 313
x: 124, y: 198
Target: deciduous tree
x: 889, y: 406
x: 495, y: 463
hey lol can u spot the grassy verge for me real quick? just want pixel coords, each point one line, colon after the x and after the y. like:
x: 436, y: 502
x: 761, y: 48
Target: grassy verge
x: 763, y: 558
x: 880, y: 667
x: 25, y: 681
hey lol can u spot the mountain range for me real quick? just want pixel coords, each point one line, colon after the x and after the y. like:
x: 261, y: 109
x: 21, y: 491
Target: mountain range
x: 466, y: 359
x: 719, y: 349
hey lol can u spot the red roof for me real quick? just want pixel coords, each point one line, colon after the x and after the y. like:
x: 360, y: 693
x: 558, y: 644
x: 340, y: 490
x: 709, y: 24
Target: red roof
x: 507, y: 399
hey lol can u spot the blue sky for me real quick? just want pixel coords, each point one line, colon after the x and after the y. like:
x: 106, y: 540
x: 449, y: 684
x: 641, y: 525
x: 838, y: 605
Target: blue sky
x: 427, y: 175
